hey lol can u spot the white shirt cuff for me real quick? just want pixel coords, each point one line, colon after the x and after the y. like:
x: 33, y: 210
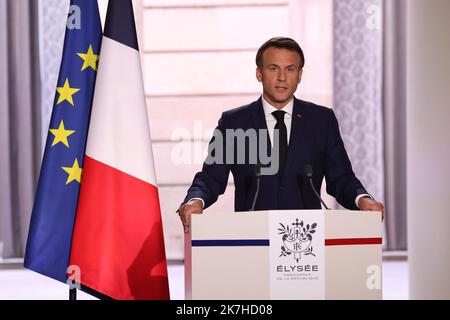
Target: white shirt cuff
x: 360, y: 196
x: 203, y: 202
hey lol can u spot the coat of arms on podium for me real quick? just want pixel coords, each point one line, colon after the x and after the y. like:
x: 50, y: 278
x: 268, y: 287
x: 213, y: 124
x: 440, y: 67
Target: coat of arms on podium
x: 297, y: 240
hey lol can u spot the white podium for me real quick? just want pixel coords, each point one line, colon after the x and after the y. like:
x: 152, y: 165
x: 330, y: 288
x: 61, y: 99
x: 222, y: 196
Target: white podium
x: 294, y: 254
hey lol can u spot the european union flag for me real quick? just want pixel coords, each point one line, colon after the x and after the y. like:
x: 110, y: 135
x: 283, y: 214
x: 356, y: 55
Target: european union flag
x: 55, y: 205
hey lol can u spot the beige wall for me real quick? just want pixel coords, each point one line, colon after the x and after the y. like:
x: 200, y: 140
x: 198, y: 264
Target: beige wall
x: 428, y: 149
x: 198, y: 61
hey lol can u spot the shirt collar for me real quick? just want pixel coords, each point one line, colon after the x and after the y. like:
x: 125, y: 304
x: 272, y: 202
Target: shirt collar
x: 268, y: 108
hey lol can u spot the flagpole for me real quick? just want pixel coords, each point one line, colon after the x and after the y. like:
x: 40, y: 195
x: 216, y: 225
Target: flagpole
x: 73, y: 294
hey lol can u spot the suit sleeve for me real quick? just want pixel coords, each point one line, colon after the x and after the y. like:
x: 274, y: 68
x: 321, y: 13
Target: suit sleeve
x: 341, y: 180
x: 212, y: 180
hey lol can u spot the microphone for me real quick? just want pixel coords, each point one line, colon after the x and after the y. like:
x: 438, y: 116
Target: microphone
x: 258, y: 177
x: 300, y: 183
x: 309, y: 174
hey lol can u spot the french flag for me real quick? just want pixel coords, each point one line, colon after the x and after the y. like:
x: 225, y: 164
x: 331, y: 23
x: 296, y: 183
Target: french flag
x: 118, y: 242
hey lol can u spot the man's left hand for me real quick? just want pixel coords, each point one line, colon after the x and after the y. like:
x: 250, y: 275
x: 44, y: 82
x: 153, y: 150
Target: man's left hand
x: 368, y: 204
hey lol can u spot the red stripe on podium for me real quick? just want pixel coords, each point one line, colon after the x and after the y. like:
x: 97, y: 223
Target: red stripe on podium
x: 352, y: 241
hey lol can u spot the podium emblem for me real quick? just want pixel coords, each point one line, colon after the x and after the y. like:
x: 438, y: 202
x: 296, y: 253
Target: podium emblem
x: 297, y: 240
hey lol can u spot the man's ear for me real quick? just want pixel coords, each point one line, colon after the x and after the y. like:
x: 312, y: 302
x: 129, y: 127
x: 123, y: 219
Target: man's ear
x: 300, y: 76
x: 258, y: 75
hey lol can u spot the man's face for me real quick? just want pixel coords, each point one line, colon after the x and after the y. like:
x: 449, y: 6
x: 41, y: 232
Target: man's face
x: 280, y: 75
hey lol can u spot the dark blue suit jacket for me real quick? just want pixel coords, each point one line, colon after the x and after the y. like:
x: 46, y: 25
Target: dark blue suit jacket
x: 314, y: 139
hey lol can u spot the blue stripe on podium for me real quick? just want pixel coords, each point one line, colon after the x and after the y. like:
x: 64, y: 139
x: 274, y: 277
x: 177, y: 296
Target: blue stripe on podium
x: 231, y: 243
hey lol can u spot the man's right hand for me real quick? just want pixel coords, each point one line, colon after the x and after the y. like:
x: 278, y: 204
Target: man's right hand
x: 191, y: 207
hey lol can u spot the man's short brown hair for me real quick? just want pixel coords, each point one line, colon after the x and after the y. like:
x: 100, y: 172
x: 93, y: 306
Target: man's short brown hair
x: 280, y: 43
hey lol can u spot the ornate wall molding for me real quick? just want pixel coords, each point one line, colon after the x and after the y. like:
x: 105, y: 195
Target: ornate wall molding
x: 52, y: 22
x: 358, y: 87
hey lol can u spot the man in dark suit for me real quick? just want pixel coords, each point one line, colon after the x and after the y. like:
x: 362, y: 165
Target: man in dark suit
x: 295, y: 133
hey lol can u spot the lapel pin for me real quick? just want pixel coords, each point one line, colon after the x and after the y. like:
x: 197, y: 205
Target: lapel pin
x: 299, y: 115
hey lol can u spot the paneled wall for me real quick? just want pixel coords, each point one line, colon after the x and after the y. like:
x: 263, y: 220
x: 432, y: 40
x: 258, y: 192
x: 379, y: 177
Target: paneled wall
x: 198, y: 60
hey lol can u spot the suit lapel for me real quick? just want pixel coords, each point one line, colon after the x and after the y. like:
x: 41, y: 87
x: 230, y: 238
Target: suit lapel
x: 259, y: 123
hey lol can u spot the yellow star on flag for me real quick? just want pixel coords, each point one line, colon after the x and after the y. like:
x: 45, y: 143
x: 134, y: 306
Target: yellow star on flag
x: 90, y: 59
x: 61, y: 134
x: 66, y: 92
x: 74, y: 172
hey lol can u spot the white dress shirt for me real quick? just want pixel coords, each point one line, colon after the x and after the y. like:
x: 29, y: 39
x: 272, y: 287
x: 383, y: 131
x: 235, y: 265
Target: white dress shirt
x: 271, y: 121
